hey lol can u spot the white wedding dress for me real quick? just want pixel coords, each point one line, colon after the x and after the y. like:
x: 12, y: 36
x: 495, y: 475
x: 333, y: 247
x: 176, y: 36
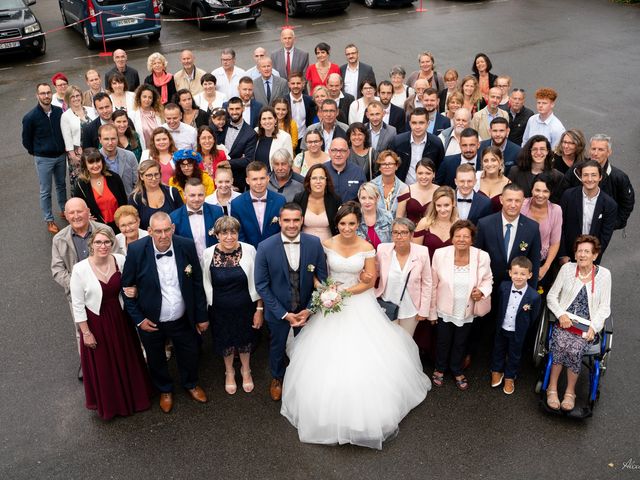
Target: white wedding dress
x: 353, y: 375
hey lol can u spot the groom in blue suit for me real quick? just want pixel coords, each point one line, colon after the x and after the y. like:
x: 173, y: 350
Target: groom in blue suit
x: 170, y: 304
x: 258, y: 209
x: 196, y: 216
x: 285, y: 267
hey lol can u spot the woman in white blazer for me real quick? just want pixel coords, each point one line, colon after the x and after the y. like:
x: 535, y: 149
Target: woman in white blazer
x: 235, y: 309
x: 582, y: 290
x: 461, y: 290
x: 116, y: 381
x: 71, y: 124
x: 269, y: 137
x: 403, y: 262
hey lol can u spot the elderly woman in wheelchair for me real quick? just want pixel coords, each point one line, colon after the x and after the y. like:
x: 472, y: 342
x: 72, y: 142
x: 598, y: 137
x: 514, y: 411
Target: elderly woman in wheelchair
x: 580, y: 300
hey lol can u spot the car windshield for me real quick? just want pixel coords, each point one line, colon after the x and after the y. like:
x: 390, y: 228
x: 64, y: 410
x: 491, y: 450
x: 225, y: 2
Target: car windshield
x: 11, y: 4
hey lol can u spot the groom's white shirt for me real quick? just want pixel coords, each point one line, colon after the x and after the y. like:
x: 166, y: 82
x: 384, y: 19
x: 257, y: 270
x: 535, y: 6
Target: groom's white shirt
x: 292, y: 251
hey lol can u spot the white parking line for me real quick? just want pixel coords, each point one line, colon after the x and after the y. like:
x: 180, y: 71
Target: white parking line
x: 136, y: 49
x: 251, y: 33
x: 41, y: 63
x: 5, y: 68
x: 358, y: 18
x: 213, y: 38
x: 86, y: 56
x: 324, y: 23
x: 176, y: 43
x: 387, y: 14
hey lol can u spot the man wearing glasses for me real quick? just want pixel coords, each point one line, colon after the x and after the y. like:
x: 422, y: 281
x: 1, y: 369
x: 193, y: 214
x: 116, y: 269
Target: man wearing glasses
x: 42, y: 138
x: 328, y: 126
x: 347, y: 177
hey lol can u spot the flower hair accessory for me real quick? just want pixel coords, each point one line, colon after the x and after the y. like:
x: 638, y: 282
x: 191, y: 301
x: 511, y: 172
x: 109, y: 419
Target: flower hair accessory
x: 187, y: 154
x: 524, y: 246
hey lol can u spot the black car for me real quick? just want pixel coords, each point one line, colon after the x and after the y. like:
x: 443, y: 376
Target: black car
x: 20, y: 30
x: 220, y: 11
x: 387, y: 3
x: 297, y: 7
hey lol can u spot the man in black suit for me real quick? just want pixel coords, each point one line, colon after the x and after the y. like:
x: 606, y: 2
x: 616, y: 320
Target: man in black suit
x: 240, y: 141
x: 303, y: 108
x: 437, y: 121
x: 414, y: 145
x: 170, y: 304
x: 342, y: 99
x: 354, y: 72
x: 499, y: 131
x: 393, y: 115
x: 518, y: 116
x: 89, y: 133
x: 587, y: 210
x: 471, y: 205
x: 469, y: 145
x: 507, y: 234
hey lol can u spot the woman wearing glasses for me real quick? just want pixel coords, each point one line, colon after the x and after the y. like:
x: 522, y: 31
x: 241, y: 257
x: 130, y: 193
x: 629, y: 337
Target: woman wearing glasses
x: 114, y: 374
x: 101, y: 188
x: 150, y: 196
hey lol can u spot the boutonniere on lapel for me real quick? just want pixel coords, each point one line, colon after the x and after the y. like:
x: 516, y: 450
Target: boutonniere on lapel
x: 524, y: 246
x: 211, y: 232
x: 275, y: 220
x: 188, y: 270
x: 526, y: 307
x: 311, y: 268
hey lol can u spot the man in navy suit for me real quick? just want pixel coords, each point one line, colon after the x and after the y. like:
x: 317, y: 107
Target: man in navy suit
x: 437, y: 121
x: 587, y: 210
x: 469, y: 145
x: 507, y: 234
x: 240, y: 141
x: 518, y: 308
x: 471, y: 205
x: 170, y: 304
x: 393, y: 115
x: 285, y: 267
x: 257, y: 210
x: 303, y: 108
x: 89, y: 132
x: 415, y: 145
x: 354, y: 72
x: 499, y: 131
x: 195, y: 219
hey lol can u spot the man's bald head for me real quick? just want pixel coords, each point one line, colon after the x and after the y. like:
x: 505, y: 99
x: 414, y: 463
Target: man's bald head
x: 76, y: 212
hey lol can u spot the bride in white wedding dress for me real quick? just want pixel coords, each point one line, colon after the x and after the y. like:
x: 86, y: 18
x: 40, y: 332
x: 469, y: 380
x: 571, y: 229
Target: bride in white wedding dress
x: 353, y: 375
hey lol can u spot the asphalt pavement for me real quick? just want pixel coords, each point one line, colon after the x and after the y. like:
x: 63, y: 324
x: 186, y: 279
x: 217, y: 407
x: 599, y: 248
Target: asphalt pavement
x: 587, y: 50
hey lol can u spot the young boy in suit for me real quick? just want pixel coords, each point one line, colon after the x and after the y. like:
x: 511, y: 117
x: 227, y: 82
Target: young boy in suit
x: 519, y: 305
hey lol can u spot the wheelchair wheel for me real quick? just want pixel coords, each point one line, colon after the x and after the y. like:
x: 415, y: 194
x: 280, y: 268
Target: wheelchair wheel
x: 538, y: 388
x: 540, y: 346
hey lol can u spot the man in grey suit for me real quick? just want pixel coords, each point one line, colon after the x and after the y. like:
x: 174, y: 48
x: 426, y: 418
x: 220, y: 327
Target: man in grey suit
x: 71, y: 245
x: 380, y: 133
x: 354, y: 72
x: 289, y: 58
x: 267, y: 86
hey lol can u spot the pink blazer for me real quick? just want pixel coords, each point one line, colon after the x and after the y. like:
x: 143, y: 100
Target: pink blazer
x: 419, y: 286
x: 442, y: 279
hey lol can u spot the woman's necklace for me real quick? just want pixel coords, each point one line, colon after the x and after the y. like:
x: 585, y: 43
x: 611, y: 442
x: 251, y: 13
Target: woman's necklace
x: 584, y: 277
x: 104, y: 274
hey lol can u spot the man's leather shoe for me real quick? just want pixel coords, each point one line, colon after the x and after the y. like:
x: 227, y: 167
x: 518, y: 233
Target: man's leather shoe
x: 52, y: 228
x: 166, y: 402
x: 496, y: 379
x: 198, y: 394
x: 276, y: 390
x: 509, y: 386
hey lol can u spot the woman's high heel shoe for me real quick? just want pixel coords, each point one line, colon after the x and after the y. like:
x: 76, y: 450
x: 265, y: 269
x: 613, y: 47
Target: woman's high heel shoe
x: 230, y: 382
x: 247, y: 381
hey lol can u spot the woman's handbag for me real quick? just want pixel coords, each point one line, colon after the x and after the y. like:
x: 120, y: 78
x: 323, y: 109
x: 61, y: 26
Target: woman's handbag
x: 390, y: 308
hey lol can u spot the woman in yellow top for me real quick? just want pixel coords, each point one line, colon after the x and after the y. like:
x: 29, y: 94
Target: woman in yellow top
x: 285, y: 122
x: 187, y: 163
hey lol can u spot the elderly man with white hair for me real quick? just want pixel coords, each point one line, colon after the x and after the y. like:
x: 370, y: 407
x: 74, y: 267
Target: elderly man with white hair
x: 450, y: 137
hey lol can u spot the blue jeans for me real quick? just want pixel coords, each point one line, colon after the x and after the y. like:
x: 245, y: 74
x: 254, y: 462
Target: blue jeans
x: 48, y: 168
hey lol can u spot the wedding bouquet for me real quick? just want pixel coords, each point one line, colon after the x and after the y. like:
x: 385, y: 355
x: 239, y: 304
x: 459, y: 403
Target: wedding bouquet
x: 328, y: 298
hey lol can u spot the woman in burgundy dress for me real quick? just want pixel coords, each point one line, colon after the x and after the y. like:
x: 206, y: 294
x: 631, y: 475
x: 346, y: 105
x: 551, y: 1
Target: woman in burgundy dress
x: 115, y: 377
x: 491, y: 180
x: 433, y: 231
x: 414, y: 200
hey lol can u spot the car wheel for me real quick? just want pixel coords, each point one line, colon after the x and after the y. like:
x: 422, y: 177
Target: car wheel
x: 89, y: 42
x: 163, y: 7
x: 369, y: 3
x: 154, y: 37
x: 198, y: 12
x: 293, y: 8
x: 252, y: 22
x: 64, y: 16
x: 40, y: 51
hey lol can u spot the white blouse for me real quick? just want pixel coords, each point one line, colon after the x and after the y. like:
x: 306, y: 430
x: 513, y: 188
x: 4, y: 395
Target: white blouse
x: 461, y: 282
x: 395, y: 284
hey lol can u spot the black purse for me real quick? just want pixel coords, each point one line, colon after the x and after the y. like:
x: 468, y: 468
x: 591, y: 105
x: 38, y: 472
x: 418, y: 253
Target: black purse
x: 390, y: 308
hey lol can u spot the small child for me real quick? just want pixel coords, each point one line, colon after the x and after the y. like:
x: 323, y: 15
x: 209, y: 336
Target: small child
x: 219, y: 119
x: 519, y: 305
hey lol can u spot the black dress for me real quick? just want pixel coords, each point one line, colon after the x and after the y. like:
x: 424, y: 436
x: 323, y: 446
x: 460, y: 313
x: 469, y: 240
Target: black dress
x: 263, y: 147
x: 232, y: 310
